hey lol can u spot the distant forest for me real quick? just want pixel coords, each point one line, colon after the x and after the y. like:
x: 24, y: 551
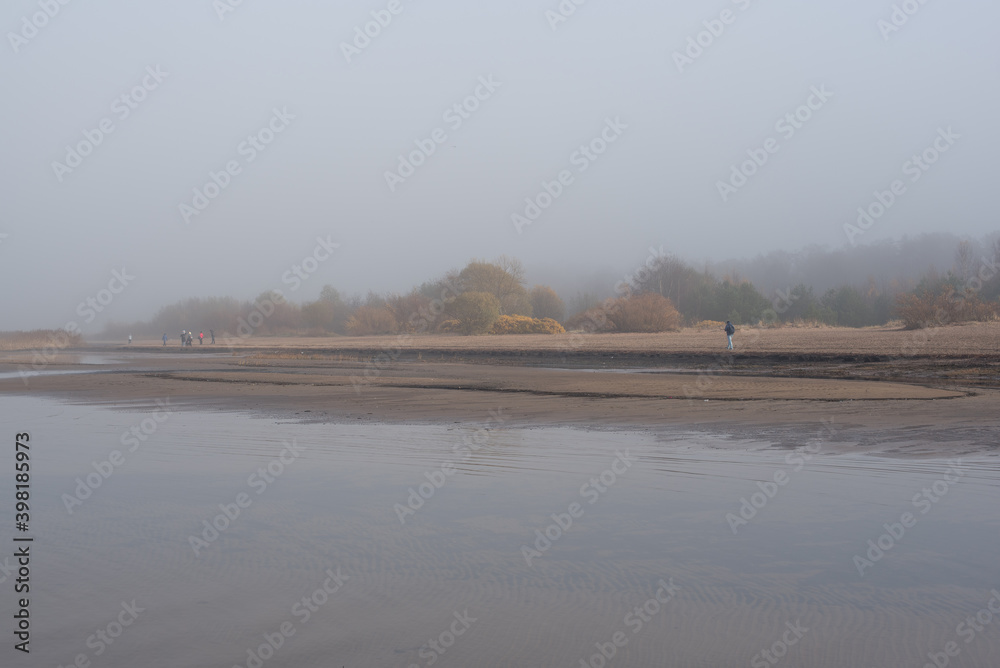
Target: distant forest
x: 924, y: 281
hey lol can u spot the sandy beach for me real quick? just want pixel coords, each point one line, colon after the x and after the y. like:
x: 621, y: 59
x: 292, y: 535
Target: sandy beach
x: 878, y: 380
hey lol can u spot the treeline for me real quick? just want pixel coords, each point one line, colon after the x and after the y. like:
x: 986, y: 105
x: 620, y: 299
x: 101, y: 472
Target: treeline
x: 484, y: 297
x: 892, y: 264
x: 663, y: 293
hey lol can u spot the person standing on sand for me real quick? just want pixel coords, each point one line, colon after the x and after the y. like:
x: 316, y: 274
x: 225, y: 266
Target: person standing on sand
x: 201, y: 338
x: 183, y: 337
x: 130, y: 339
x: 164, y: 340
x: 730, y: 330
x: 212, y: 332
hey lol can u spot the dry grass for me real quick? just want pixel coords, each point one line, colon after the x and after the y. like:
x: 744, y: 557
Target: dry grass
x: 39, y: 339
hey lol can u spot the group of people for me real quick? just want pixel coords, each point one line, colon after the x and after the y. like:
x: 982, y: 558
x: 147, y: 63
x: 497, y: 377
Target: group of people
x: 187, y: 338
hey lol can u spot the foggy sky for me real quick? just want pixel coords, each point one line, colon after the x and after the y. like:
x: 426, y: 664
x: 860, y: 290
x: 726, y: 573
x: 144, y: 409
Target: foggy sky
x: 220, y: 77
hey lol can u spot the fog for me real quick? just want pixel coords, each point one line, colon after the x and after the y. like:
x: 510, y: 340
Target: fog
x: 207, y: 148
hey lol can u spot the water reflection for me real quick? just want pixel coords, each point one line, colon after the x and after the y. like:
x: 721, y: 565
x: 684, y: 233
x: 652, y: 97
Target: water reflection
x: 662, y: 519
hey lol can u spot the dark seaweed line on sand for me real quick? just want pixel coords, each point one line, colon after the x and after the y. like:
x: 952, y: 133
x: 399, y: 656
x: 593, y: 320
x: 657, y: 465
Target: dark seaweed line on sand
x: 548, y: 393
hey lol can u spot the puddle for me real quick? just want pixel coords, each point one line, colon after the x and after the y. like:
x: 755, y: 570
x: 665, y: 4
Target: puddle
x: 50, y: 372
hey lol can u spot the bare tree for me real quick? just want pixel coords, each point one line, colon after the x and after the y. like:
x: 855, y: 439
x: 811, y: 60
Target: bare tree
x: 504, y: 279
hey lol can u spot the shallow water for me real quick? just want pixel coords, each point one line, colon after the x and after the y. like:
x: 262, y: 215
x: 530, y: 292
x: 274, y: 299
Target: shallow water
x: 788, y: 574
x: 5, y: 375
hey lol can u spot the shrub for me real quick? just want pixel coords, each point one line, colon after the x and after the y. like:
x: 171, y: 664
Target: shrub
x: 648, y: 312
x: 39, y: 339
x: 950, y: 306
x: 916, y: 312
x: 368, y: 320
x: 318, y: 315
x: 519, y: 324
x: 545, y: 303
x: 475, y: 311
x: 595, y: 319
x: 451, y: 326
x: 410, y: 311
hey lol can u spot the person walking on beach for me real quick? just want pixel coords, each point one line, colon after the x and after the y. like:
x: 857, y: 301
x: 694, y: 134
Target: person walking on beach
x: 212, y: 332
x: 201, y: 338
x: 164, y: 340
x: 730, y: 330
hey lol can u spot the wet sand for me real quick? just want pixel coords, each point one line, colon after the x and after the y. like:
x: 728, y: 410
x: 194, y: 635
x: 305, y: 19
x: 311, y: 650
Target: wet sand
x: 896, y: 404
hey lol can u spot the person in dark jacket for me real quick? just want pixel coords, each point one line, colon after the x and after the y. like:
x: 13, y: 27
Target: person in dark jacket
x: 730, y: 330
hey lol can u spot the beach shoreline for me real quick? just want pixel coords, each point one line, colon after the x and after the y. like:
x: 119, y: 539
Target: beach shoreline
x: 903, y: 405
